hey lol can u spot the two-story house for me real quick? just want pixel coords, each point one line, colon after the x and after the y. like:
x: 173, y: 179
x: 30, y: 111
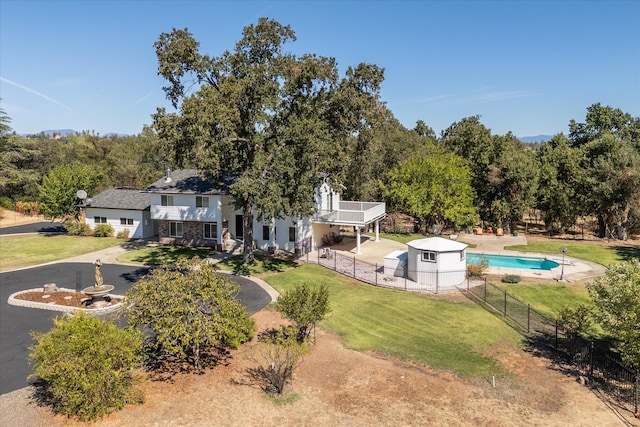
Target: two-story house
x: 189, y: 209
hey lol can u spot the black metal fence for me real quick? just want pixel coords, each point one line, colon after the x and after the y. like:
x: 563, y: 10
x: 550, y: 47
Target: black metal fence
x: 597, y: 363
x: 401, y: 278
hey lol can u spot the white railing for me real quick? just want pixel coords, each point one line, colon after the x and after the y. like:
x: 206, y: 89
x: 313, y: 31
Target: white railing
x: 183, y: 213
x: 354, y: 212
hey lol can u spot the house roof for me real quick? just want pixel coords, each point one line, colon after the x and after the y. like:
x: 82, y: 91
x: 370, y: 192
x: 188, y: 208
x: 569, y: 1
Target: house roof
x: 118, y: 198
x: 437, y: 244
x: 189, y: 181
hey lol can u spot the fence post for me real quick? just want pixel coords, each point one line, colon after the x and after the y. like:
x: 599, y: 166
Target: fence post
x: 318, y: 255
x: 505, y: 303
x: 485, y: 289
x: 335, y: 260
x: 637, y: 391
x: 354, y: 267
x: 376, y: 274
x: 528, y: 318
x: 591, y: 347
x: 556, y: 342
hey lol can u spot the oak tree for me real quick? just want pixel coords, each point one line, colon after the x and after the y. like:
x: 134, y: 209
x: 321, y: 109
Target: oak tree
x: 269, y: 119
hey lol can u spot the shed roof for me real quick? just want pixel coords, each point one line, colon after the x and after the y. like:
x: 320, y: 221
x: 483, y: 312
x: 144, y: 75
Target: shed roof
x: 437, y: 244
x: 118, y: 198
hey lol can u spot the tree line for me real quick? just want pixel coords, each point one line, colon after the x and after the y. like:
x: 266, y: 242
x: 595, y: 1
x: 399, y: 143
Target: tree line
x: 279, y: 123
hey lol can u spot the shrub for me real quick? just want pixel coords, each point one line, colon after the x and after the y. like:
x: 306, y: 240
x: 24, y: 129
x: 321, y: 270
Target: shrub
x: 88, y: 366
x: 479, y: 268
x: 305, y: 305
x: 192, y: 311
x: 278, y: 354
x: 76, y: 228
x: 511, y: 278
x: 123, y: 234
x: 103, y: 230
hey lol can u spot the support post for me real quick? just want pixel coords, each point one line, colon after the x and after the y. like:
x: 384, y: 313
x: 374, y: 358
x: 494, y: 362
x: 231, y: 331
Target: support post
x: 358, y: 234
x: 377, y: 230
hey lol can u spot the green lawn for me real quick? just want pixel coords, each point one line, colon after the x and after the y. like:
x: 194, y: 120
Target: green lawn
x: 28, y: 250
x: 164, y: 254
x: 441, y: 334
x: 605, y: 255
x: 549, y: 299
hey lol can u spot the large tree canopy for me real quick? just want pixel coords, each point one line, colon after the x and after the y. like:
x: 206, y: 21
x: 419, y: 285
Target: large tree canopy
x: 271, y: 119
x: 435, y: 188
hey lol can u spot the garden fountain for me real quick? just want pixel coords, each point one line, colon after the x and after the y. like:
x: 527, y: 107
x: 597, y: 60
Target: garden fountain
x: 98, y: 291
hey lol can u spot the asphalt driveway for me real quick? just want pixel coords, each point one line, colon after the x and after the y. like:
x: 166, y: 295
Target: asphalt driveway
x: 45, y: 227
x: 16, y: 323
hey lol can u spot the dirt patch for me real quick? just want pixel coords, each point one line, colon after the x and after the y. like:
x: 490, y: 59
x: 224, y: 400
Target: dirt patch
x: 9, y: 218
x: 336, y: 386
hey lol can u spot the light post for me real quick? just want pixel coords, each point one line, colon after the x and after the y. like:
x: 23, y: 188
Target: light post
x: 564, y: 251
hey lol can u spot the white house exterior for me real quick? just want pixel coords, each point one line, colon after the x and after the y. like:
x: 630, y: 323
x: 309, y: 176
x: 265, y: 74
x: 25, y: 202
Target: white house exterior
x: 436, y: 261
x: 192, y: 210
x: 124, y: 210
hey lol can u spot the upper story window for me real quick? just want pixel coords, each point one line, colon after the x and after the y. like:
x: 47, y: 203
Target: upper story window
x: 265, y: 232
x: 202, y: 202
x: 292, y: 234
x: 166, y: 200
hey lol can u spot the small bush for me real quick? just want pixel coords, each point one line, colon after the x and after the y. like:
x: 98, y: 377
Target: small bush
x: 511, y: 278
x: 305, y: 305
x: 88, y: 366
x: 103, y: 230
x: 479, y: 268
x: 75, y: 228
x: 278, y: 355
x: 123, y: 234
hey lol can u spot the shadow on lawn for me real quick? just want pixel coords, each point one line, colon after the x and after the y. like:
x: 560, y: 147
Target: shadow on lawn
x: 627, y: 253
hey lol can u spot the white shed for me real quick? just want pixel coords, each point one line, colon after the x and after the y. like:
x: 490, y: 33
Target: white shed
x: 436, y: 261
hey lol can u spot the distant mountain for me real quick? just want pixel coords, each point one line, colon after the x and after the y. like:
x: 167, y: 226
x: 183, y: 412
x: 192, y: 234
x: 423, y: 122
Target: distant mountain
x: 62, y: 132
x: 65, y: 132
x: 537, y: 138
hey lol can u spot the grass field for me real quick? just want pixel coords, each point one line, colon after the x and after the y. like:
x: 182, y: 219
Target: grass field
x: 549, y: 299
x: 28, y: 250
x: 442, y: 334
x: 601, y: 254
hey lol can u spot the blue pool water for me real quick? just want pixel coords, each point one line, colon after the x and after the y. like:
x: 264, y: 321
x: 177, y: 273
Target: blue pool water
x: 512, y: 261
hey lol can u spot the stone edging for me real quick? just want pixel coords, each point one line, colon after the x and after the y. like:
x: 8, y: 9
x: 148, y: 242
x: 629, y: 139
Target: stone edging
x: 62, y: 308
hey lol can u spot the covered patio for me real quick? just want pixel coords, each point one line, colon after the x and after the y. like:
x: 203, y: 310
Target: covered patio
x: 351, y: 214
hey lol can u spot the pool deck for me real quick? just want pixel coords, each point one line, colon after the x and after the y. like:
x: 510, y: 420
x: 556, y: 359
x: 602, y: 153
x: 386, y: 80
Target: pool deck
x: 573, y: 269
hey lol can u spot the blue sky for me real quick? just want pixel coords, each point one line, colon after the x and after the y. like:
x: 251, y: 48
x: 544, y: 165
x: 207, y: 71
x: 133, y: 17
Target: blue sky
x: 524, y: 66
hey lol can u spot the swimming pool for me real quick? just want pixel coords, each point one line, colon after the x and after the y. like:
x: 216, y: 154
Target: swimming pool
x: 506, y: 261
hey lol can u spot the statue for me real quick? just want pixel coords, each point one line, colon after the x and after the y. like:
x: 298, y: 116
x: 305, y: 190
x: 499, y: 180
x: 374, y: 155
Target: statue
x: 99, y: 279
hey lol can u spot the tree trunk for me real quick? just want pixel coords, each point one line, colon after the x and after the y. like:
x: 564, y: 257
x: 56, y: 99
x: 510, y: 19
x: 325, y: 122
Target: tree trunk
x: 247, y: 234
x: 602, y: 227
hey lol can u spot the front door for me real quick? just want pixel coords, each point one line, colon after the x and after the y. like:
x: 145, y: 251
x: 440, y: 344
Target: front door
x: 239, y: 228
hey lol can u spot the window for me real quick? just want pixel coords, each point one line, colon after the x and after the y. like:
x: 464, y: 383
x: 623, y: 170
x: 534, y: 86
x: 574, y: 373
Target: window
x: 202, y: 202
x: 126, y: 221
x: 99, y: 220
x: 166, y: 200
x: 210, y: 230
x: 429, y: 256
x: 463, y: 254
x: 292, y: 234
x: 265, y: 232
x: 175, y: 229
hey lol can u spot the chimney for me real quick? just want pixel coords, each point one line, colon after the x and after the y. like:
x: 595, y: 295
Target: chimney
x: 167, y: 176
